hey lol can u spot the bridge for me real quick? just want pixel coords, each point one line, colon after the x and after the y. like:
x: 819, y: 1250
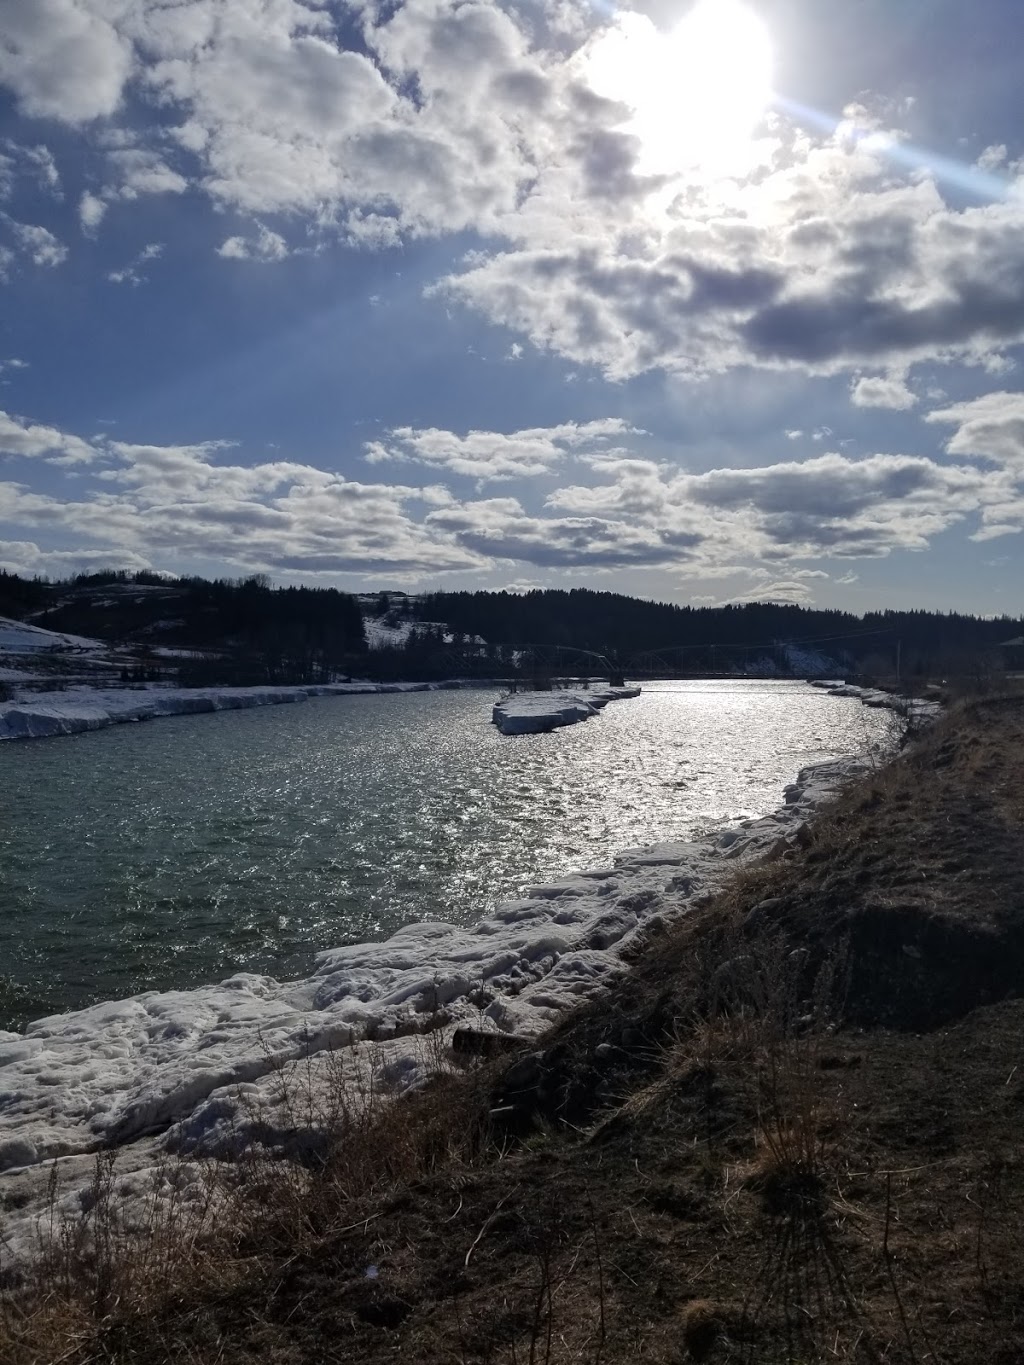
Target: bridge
x: 535, y: 664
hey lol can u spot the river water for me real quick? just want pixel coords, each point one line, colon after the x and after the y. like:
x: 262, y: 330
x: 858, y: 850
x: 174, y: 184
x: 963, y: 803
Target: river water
x: 174, y: 853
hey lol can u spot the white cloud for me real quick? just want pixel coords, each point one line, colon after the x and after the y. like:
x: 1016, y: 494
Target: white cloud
x: 878, y: 392
x: 18, y: 437
x: 137, y: 171
x: 190, y: 501
x: 787, y: 591
x: 131, y: 273
x: 91, y: 209
x: 26, y: 557
x: 37, y: 243
x: 490, y: 455
x: 265, y: 246
x: 34, y: 161
x: 816, y: 257
x: 991, y: 428
x: 992, y: 158
x: 64, y: 59
x: 203, y: 501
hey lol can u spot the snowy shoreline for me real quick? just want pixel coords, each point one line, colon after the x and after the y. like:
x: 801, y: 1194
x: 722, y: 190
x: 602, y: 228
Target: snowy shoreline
x: 74, y: 711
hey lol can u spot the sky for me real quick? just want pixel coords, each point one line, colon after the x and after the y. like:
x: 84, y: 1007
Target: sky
x: 699, y: 300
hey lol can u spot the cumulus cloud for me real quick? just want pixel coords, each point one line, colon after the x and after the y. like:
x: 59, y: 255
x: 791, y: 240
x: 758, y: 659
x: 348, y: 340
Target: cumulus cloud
x: 91, y: 209
x: 822, y: 254
x: 26, y: 557
x: 193, y: 501
x: 64, y: 59
x: 137, y: 171
x: 204, y: 501
x: 490, y: 455
x: 990, y: 428
x: 830, y: 506
x: 878, y: 392
x: 499, y: 528
x: 37, y: 244
x: 265, y: 246
x: 19, y: 437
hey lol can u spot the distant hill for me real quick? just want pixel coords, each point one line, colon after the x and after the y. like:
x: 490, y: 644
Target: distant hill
x: 697, y: 639
x: 203, y: 631
x: 199, y: 631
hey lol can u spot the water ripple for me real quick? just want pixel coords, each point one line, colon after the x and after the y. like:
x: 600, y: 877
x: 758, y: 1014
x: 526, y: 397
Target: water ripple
x: 178, y: 852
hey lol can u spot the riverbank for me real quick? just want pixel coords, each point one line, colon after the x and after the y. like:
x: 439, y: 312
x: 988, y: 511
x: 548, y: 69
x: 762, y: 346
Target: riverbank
x: 75, y: 710
x: 789, y: 1132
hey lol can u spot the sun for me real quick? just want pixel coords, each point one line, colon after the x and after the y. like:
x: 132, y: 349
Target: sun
x: 696, y: 93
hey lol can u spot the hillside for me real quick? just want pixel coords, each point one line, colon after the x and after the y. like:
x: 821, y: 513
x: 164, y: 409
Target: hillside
x: 198, y: 632
x: 791, y: 1133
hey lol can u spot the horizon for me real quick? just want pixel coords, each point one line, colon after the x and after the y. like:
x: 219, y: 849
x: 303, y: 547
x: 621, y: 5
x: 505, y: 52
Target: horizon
x: 86, y: 577
x: 702, y: 302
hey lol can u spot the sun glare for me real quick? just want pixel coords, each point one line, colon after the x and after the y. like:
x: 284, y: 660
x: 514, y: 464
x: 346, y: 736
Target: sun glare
x: 695, y: 93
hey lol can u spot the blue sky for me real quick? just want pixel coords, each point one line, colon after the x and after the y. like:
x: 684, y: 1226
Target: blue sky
x: 701, y: 301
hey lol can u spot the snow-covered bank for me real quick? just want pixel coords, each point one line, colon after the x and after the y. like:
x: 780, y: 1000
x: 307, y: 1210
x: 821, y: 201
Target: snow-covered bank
x: 45, y: 714
x: 915, y: 709
x: 199, y: 1059
x: 531, y: 713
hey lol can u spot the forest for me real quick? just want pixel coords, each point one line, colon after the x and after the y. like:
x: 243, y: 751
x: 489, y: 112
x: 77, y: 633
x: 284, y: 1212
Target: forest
x: 246, y: 630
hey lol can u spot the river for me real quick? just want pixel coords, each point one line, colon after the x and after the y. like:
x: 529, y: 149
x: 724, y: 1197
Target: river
x: 165, y: 855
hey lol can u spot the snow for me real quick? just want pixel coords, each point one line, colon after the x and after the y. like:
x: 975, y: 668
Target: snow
x: 17, y: 637
x: 530, y: 713
x: 383, y: 634
x: 916, y: 709
x: 389, y: 632
x: 77, y: 709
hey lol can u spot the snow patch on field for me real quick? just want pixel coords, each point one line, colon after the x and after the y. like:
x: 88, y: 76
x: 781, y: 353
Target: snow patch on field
x: 17, y: 637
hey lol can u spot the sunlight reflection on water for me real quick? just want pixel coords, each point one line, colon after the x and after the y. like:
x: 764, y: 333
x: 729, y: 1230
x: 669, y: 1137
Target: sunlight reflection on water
x: 169, y: 854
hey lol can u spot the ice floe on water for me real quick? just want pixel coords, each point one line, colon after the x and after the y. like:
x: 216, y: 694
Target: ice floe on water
x: 531, y: 713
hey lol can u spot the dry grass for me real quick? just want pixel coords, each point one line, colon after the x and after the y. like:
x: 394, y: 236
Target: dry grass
x: 200, y: 1229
